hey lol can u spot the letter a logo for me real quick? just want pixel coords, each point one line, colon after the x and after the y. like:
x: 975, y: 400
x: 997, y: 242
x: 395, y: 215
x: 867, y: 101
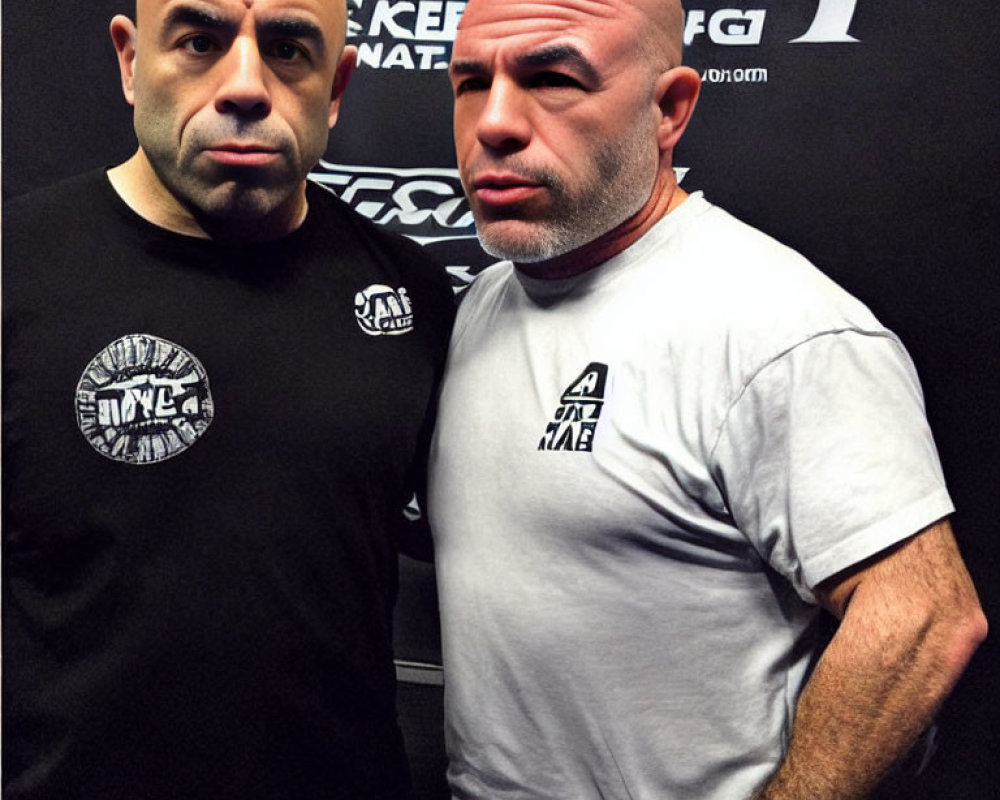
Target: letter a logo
x: 831, y: 23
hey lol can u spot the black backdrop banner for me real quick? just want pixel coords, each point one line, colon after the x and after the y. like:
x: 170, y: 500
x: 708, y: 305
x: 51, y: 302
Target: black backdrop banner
x: 860, y: 132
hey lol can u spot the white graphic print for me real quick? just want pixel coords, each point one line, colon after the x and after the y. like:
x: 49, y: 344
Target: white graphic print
x: 403, y: 34
x: 831, y: 23
x: 740, y: 27
x: 143, y: 399
x: 426, y: 204
x: 383, y: 311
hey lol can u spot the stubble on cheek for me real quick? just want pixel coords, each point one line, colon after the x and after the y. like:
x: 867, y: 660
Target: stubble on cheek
x: 618, y: 183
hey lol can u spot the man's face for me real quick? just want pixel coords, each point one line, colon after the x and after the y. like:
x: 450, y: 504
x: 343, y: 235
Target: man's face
x: 234, y: 99
x: 555, y: 122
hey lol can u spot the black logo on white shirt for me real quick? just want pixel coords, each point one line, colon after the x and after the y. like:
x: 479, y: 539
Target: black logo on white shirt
x: 575, y: 421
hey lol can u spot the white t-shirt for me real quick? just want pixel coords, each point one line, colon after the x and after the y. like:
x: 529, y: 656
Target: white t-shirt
x: 638, y: 478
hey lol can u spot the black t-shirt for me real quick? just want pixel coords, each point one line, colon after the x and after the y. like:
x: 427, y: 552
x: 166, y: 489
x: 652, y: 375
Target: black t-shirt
x: 207, y: 449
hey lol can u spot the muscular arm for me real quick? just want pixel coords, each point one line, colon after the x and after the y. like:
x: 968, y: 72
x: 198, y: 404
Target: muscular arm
x: 910, y: 621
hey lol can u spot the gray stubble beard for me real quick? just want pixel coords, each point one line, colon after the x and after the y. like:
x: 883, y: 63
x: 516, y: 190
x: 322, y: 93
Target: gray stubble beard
x: 622, y: 186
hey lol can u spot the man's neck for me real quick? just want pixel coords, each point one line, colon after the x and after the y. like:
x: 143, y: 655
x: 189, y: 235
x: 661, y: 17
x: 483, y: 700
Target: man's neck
x: 138, y: 185
x: 665, y: 197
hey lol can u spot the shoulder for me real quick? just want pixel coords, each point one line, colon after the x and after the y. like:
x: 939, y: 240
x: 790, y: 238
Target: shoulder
x: 478, y: 304
x: 485, y: 291
x: 487, y: 284
x: 335, y: 215
x: 395, y: 259
x: 753, y: 271
x: 46, y: 230
x: 730, y: 283
x: 399, y: 253
x: 73, y: 196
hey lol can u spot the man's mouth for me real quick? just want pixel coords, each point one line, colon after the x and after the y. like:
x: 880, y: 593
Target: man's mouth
x: 501, y: 189
x: 242, y: 154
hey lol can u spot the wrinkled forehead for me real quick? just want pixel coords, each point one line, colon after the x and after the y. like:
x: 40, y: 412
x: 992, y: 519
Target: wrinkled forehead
x: 487, y: 24
x: 331, y: 15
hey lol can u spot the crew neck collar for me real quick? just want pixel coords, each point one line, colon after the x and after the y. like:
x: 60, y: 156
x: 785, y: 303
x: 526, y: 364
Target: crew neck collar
x: 543, y: 289
x: 160, y: 237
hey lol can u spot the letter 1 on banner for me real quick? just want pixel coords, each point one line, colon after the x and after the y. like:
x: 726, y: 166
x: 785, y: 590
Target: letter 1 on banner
x: 831, y: 23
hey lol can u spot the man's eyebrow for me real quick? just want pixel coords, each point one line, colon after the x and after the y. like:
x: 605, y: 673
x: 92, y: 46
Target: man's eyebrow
x: 467, y: 66
x: 196, y: 17
x: 545, y: 57
x: 293, y: 28
x: 560, y: 54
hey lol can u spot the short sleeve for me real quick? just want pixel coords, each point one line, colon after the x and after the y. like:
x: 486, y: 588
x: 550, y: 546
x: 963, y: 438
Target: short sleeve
x: 826, y: 457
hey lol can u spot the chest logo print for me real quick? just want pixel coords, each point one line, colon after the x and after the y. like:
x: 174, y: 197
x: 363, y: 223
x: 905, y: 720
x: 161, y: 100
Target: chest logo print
x: 143, y: 399
x: 575, y: 422
x: 383, y: 311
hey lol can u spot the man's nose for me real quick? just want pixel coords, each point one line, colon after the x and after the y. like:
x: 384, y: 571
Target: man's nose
x: 244, y: 88
x: 504, y: 123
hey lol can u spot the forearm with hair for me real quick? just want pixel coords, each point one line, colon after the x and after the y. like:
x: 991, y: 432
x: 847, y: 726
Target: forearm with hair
x: 910, y: 624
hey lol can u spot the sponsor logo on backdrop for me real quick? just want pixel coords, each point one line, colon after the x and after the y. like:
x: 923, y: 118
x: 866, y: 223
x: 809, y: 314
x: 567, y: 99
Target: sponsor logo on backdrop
x: 737, y: 27
x: 425, y: 204
x: 831, y: 23
x: 734, y: 75
x: 418, y: 34
x: 403, y: 34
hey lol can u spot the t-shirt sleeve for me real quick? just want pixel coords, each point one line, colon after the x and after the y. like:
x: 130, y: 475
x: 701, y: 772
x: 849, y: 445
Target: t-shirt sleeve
x: 826, y: 457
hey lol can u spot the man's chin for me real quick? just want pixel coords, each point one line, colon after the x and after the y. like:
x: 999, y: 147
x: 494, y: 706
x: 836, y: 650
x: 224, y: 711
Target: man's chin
x: 242, y: 205
x: 521, y: 242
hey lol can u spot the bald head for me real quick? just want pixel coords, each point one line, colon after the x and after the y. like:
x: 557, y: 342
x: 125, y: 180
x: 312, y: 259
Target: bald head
x: 564, y: 127
x: 233, y: 100
x: 661, y: 38
x: 656, y: 25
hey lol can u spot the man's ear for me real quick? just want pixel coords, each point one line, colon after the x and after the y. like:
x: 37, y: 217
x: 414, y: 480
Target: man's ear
x: 677, y: 92
x: 348, y: 60
x: 123, y: 35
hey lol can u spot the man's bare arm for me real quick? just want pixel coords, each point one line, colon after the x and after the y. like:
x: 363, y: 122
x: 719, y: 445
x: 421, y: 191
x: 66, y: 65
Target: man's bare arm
x: 910, y: 622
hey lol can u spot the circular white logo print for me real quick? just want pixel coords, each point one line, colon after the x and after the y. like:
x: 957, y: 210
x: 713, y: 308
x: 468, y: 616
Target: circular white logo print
x: 143, y: 399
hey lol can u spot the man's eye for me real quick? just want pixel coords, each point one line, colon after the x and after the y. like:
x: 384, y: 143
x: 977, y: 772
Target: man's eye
x: 471, y: 85
x: 199, y: 44
x: 288, y: 51
x: 554, y: 79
